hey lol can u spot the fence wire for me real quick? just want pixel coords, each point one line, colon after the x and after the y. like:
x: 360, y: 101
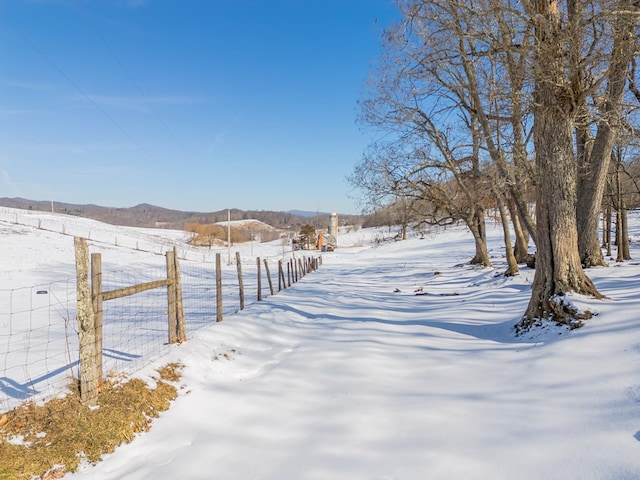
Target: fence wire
x: 39, y: 332
x: 38, y: 341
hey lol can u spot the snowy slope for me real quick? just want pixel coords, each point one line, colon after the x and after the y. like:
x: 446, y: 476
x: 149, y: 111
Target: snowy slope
x: 345, y: 377
x: 398, y: 361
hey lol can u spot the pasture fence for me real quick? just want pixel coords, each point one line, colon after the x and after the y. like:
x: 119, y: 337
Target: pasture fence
x: 110, y: 320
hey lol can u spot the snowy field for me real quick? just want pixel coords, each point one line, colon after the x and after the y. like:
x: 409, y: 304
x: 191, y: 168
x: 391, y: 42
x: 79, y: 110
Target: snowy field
x: 38, y: 327
x: 392, y: 361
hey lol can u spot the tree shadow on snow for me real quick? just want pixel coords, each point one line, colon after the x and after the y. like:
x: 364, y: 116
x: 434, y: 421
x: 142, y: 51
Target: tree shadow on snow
x: 499, y: 332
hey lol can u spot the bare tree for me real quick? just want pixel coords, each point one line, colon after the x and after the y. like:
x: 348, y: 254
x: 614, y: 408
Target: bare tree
x: 439, y: 183
x: 557, y: 97
x: 475, y: 55
x: 461, y: 80
x: 594, y: 157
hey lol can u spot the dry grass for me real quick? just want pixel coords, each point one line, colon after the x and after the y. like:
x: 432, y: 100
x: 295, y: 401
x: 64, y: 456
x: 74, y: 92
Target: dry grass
x: 44, y: 441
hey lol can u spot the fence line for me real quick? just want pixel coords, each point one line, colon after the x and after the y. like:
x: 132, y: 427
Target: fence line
x: 129, y: 237
x: 39, y: 334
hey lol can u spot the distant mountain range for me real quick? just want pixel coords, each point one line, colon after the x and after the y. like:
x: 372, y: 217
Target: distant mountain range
x: 145, y: 215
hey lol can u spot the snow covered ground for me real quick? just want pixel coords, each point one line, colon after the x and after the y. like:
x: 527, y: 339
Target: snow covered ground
x: 396, y: 361
x: 38, y: 328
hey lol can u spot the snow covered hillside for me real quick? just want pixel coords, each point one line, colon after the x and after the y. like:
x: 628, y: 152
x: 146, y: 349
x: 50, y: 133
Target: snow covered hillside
x: 395, y: 361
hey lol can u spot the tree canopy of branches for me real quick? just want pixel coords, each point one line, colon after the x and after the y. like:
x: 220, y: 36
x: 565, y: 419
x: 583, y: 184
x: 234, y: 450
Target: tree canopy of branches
x: 493, y: 103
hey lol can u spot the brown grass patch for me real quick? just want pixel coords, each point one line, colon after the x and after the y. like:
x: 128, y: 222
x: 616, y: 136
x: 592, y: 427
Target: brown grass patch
x: 44, y: 441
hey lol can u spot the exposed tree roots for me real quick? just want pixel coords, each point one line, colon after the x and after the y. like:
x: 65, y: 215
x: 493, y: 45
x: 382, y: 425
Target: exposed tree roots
x: 557, y: 310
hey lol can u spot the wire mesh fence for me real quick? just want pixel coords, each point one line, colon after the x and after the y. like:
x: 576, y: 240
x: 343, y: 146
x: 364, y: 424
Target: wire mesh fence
x: 37, y: 340
x: 39, y: 331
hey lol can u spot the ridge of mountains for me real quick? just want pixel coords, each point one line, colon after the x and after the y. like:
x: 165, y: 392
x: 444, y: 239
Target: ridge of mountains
x: 152, y: 216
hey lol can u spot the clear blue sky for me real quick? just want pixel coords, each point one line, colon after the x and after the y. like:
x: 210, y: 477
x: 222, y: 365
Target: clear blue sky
x: 192, y: 105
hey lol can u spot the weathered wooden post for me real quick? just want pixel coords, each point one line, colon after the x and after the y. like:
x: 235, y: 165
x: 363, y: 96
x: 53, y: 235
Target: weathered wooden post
x: 240, y: 283
x: 171, y: 296
x: 259, y: 279
x: 266, y: 269
x: 289, y: 272
x: 280, y: 276
x: 96, y: 296
x: 181, y: 328
x: 218, y: 288
x: 89, y: 377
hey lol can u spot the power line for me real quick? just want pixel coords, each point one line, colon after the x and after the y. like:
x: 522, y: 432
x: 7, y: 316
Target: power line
x: 137, y: 86
x: 74, y: 84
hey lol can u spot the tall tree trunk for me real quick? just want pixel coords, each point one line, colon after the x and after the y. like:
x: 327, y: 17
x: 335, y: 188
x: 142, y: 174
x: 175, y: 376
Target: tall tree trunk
x: 622, y: 230
x: 592, y: 172
x: 626, y: 254
x: 512, y: 265
x: 558, y: 267
x: 620, y: 256
x: 607, y: 229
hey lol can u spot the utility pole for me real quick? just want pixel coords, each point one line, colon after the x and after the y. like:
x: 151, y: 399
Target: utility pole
x: 229, y: 233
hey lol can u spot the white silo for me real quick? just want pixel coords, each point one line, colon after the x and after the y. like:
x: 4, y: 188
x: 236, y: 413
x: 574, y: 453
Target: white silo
x: 333, y: 226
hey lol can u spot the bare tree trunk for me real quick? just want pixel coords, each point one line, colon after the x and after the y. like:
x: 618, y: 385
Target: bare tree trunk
x: 521, y: 248
x: 622, y: 231
x: 620, y: 256
x: 512, y: 265
x: 478, y: 230
x: 607, y: 229
x: 558, y: 267
x: 592, y: 173
x: 626, y: 254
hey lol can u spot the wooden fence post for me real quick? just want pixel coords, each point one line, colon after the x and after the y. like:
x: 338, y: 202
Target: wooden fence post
x: 171, y: 296
x: 181, y: 329
x: 89, y: 378
x: 284, y: 283
x: 266, y: 268
x: 218, y: 288
x: 96, y: 296
x: 300, y: 269
x: 259, y: 280
x: 289, y: 272
x: 240, y: 283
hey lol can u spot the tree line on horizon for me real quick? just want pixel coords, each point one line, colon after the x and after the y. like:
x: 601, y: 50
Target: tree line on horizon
x: 146, y: 215
x: 529, y: 108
